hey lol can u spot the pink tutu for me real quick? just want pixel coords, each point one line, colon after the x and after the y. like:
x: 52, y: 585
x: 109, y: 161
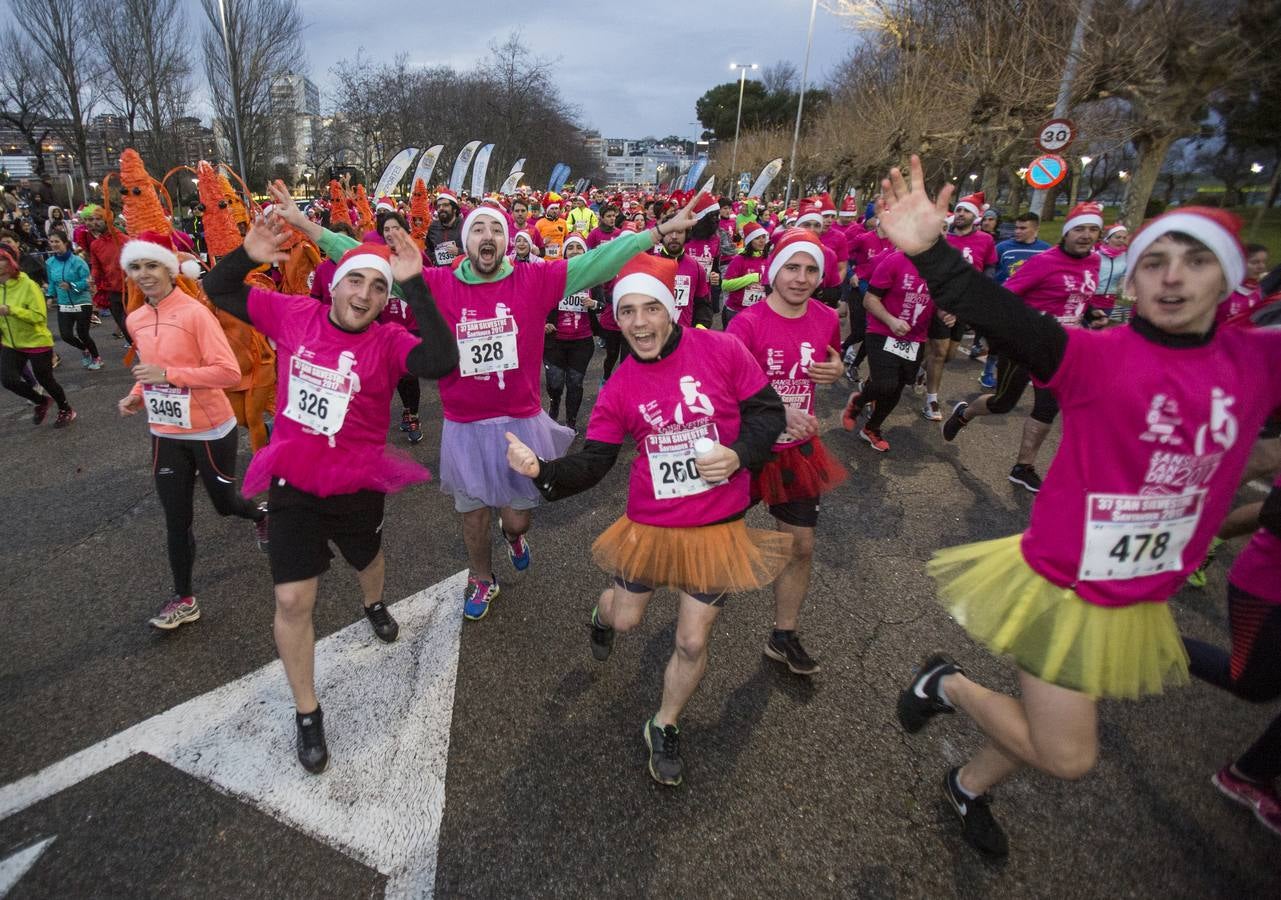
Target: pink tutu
x: 473, y: 456
x: 387, y: 472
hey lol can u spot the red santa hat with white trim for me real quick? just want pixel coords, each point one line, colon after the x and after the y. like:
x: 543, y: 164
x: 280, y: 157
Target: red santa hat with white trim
x: 849, y: 206
x: 706, y: 204
x: 385, y: 203
x: 574, y: 238
x: 150, y: 245
x: 1218, y: 229
x: 811, y: 211
x: 793, y: 241
x: 972, y: 203
x: 447, y: 194
x: 651, y: 276
x: 364, y: 256
x: 825, y: 205
x: 751, y: 231
x: 487, y: 212
x: 1086, y: 213
x: 1115, y: 228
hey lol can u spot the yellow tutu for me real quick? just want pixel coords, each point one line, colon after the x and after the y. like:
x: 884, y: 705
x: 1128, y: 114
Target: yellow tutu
x: 1050, y: 632
x: 709, y: 559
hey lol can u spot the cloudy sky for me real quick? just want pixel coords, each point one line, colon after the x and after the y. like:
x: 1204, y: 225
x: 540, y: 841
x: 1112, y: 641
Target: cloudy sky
x: 661, y: 58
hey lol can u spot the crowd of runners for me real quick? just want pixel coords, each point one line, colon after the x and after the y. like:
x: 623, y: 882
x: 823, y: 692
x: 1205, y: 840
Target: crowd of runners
x: 720, y: 321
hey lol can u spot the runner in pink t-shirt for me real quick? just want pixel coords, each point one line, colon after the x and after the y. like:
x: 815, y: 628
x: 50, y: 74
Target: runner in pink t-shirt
x: 1252, y: 671
x: 327, y: 469
x: 701, y: 413
x: 745, y: 276
x: 569, y: 346
x: 693, y: 290
x: 1148, y: 466
x: 1060, y: 283
x: 899, y: 312
x: 795, y: 341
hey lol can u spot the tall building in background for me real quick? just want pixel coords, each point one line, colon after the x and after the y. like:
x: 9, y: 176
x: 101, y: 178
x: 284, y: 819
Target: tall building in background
x: 295, y: 106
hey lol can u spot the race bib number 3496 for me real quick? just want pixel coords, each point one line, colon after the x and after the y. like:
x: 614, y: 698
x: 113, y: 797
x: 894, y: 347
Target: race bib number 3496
x: 167, y: 405
x: 486, y: 346
x: 1130, y: 535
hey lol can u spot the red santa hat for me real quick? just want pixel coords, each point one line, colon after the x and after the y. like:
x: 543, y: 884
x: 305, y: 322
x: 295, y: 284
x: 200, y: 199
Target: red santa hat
x: 364, y: 256
x: 706, y: 204
x: 1115, y: 228
x: 973, y: 203
x: 1083, y: 214
x: 751, y: 231
x: 385, y: 203
x: 811, y: 211
x: 486, y: 212
x: 793, y: 241
x: 825, y: 204
x: 849, y: 207
x: 574, y: 238
x: 1218, y: 229
x: 150, y: 245
x: 651, y: 276
x: 446, y: 194
x: 550, y: 199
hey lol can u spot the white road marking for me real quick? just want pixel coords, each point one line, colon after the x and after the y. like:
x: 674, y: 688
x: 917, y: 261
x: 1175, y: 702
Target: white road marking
x: 387, y: 708
x: 12, y: 868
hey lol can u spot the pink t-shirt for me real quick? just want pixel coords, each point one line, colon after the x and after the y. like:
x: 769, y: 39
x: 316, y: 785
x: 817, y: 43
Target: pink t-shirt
x: 320, y: 280
x: 904, y: 294
x: 868, y: 249
x: 691, y: 283
x: 1057, y: 284
x: 1154, y: 442
x: 572, y: 320
x: 977, y: 247
x: 1243, y: 299
x: 333, y: 399
x: 704, y: 252
x: 752, y: 294
x: 499, y: 326
x: 397, y: 312
x: 1257, y: 569
x: 665, y: 406
x: 785, y: 347
x: 831, y: 269
x: 834, y: 240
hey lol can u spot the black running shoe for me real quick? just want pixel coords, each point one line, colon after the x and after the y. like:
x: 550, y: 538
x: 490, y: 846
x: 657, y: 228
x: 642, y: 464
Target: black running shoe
x: 313, y: 752
x: 664, y: 745
x: 602, y: 637
x: 956, y: 421
x: 383, y: 624
x: 785, y: 647
x: 920, y: 701
x: 1026, y: 476
x: 979, y: 829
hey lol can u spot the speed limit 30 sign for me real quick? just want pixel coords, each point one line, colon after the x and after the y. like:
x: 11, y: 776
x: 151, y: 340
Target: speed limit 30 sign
x: 1055, y: 135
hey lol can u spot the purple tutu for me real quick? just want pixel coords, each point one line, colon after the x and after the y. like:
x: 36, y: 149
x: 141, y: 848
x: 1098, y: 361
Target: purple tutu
x: 473, y: 456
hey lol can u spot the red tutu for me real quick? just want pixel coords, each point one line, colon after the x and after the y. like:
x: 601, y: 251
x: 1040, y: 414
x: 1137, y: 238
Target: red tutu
x: 800, y: 472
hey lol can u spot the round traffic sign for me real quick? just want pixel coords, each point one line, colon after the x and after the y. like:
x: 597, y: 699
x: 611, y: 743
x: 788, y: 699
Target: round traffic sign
x: 1046, y: 171
x: 1055, y: 135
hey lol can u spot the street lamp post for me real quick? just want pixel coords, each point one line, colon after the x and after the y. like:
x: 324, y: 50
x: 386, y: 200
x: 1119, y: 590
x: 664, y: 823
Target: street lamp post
x: 800, y: 105
x: 742, y: 83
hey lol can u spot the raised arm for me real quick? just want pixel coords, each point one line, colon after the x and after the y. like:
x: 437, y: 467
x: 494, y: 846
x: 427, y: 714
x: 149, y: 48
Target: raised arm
x: 437, y: 353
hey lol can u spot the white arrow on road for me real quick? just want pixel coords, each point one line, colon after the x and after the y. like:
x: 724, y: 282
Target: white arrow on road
x: 387, y: 715
x: 13, y: 867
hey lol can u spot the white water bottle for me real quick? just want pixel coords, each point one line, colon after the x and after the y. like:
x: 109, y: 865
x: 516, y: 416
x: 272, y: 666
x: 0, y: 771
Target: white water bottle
x: 703, y: 448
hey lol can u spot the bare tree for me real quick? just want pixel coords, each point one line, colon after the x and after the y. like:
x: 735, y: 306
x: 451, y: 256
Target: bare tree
x: 781, y: 77
x: 25, y: 91
x: 55, y: 28
x: 262, y: 38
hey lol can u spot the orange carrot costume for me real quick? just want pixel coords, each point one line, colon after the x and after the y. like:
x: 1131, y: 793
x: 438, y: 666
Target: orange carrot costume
x: 419, y: 214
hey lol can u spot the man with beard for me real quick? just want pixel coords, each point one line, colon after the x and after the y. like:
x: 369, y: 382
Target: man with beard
x: 497, y: 312
x: 444, y: 234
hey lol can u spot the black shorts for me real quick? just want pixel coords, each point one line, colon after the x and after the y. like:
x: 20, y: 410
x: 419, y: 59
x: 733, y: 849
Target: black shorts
x: 797, y: 513
x: 301, y: 525
x: 939, y: 331
x: 637, y: 587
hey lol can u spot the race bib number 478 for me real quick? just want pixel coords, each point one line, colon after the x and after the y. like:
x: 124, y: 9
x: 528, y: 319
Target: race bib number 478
x: 1131, y: 535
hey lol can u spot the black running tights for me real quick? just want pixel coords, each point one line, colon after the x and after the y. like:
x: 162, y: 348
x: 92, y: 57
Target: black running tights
x: 11, y: 365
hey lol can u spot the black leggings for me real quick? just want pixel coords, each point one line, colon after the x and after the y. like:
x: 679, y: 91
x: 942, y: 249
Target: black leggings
x: 888, y: 374
x: 1011, y: 380
x: 1252, y: 672
x: 175, y: 464
x: 116, y: 303
x: 73, y: 328
x: 11, y: 365
x: 615, y: 350
x: 411, y: 393
x: 565, y: 363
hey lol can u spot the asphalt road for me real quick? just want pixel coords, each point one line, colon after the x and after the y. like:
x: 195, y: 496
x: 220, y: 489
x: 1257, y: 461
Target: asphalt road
x: 793, y: 787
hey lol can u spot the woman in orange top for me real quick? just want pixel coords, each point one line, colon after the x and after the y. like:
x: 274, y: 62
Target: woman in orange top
x: 184, y: 366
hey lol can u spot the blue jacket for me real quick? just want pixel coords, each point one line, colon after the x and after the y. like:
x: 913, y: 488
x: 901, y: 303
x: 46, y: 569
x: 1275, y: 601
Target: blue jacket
x: 74, y: 271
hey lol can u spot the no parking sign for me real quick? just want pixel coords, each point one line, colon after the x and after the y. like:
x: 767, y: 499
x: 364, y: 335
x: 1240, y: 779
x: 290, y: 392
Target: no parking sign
x: 1046, y: 171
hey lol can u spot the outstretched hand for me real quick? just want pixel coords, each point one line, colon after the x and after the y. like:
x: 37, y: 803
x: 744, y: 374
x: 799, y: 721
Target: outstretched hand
x: 685, y: 219
x: 264, y: 239
x: 522, y: 460
x: 907, y: 215
x: 283, y: 204
x: 406, y: 258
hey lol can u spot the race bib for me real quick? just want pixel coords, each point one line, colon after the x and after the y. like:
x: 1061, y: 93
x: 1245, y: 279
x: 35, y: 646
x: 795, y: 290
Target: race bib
x: 552, y: 249
x: 1129, y: 536
x: 797, y: 394
x: 908, y: 350
x: 445, y: 253
x: 706, y: 263
x: 69, y: 307
x: 167, y: 405
x: 486, y: 346
x: 574, y: 302
x: 682, y: 291
x: 671, y: 462
x: 318, y: 397
x: 753, y: 294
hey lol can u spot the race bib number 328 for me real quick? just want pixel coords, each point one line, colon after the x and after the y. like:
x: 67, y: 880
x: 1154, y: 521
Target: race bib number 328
x: 486, y: 346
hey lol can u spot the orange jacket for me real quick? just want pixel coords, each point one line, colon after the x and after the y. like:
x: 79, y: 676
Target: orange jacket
x: 554, y: 234
x: 181, y: 335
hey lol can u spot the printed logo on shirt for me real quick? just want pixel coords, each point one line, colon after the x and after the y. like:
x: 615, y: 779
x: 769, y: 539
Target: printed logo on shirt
x: 1182, y: 472
x: 1222, y: 427
x: 692, y: 399
x: 807, y: 357
x: 774, y: 358
x: 1163, y: 421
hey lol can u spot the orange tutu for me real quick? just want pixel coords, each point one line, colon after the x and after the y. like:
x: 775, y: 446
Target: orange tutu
x: 708, y: 559
x: 801, y: 472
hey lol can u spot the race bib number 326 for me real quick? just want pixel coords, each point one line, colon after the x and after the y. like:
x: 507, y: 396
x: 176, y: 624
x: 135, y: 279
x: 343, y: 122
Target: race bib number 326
x: 318, y: 396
